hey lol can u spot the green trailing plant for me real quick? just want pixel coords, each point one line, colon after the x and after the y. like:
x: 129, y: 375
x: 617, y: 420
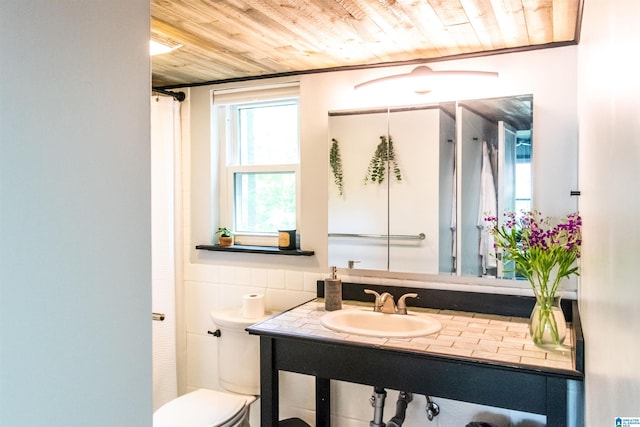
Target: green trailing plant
x: 383, y: 158
x: 336, y: 165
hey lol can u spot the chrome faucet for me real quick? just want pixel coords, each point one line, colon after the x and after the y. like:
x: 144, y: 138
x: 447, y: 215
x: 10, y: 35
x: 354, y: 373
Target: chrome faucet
x: 384, y: 303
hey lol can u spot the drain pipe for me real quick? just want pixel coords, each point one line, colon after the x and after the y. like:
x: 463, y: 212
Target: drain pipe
x: 401, y: 409
x: 377, y: 401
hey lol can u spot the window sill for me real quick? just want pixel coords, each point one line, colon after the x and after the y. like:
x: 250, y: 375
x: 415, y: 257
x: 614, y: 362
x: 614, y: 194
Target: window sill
x: 271, y: 250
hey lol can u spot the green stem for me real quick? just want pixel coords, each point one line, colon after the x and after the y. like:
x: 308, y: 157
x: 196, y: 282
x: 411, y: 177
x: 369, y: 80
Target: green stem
x: 546, y: 317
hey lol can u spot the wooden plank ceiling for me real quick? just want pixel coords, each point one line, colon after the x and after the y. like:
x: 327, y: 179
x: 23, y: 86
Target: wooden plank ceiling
x: 231, y: 39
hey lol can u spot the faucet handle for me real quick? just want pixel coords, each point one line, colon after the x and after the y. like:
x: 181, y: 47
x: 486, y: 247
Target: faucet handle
x: 369, y: 291
x: 402, y: 305
x: 376, y: 304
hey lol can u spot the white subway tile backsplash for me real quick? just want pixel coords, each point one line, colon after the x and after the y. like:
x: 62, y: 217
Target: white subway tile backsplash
x: 275, y: 279
x: 201, y: 272
x: 259, y: 277
x: 227, y: 274
x: 200, y: 299
x: 280, y: 299
x: 293, y: 280
x: 310, y: 281
x: 242, y: 276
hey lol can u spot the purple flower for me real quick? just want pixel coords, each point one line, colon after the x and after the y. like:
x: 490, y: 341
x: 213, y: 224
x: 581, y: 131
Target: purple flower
x: 544, y: 250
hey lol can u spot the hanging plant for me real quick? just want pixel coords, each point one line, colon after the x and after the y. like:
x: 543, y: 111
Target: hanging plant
x: 383, y: 158
x: 336, y: 164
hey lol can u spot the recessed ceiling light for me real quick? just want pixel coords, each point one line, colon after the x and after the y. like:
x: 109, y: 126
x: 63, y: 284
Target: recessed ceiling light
x: 157, y: 48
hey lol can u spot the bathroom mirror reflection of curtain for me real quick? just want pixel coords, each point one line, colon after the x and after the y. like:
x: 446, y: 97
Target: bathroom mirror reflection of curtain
x: 165, y: 138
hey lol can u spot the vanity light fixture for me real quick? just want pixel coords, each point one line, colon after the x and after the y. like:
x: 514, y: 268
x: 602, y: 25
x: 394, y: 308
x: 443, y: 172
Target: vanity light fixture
x: 158, y: 48
x: 423, y: 78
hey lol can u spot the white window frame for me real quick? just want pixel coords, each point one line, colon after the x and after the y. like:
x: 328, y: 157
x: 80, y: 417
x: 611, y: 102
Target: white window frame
x: 224, y: 109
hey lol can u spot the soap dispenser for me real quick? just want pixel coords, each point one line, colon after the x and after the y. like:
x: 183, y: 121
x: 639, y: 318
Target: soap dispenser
x: 333, y: 291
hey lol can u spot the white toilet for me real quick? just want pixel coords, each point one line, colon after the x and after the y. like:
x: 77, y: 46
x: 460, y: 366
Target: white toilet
x: 239, y: 374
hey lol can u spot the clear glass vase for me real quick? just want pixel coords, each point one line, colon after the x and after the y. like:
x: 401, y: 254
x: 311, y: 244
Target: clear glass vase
x: 547, y: 325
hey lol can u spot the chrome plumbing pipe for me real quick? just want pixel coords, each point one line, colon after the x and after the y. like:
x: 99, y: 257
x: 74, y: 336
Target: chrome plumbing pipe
x: 377, y: 401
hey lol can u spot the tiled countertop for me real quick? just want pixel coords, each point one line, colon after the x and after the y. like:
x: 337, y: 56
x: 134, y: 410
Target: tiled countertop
x: 481, y: 337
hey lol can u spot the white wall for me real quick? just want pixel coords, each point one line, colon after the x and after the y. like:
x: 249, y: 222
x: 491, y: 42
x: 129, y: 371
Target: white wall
x: 75, y: 326
x: 214, y: 280
x: 554, y: 127
x: 609, y: 203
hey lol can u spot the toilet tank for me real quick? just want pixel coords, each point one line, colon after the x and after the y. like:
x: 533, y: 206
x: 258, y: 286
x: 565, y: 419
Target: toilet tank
x: 238, y: 352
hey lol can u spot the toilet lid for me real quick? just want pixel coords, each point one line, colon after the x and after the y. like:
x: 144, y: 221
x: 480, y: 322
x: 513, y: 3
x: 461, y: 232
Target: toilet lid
x: 200, y: 408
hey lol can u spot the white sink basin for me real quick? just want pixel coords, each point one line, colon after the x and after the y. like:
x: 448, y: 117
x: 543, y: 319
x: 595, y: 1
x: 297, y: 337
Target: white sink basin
x: 374, y: 324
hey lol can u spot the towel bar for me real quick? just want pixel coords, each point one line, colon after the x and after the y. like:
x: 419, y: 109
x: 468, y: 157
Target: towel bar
x: 420, y: 236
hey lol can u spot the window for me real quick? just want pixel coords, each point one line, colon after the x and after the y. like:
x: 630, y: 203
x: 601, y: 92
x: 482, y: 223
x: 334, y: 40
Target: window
x: 523, y: 171
x: 258, y: 137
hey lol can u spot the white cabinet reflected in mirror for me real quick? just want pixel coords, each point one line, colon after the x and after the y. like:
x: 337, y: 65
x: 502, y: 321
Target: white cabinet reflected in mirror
x: 423, y: 211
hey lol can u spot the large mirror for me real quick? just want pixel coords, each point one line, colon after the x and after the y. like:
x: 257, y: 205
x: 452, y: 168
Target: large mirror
x: 410, y: 186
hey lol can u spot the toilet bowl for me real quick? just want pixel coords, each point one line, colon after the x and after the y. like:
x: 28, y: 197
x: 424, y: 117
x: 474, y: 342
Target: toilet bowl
x: 239, y: 375
x: 205, y: 408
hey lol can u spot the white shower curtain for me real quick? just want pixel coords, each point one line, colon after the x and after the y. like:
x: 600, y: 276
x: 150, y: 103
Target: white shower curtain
x: 165, y: 140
